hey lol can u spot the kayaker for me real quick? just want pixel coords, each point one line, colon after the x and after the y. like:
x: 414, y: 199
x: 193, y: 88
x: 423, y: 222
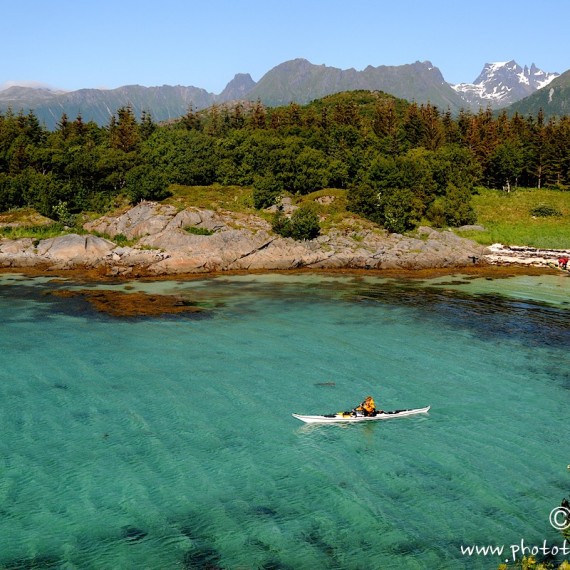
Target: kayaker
x: 368, y: 407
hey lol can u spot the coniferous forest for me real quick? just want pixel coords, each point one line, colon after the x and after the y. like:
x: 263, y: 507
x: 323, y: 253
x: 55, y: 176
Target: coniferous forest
x: 399, y: 162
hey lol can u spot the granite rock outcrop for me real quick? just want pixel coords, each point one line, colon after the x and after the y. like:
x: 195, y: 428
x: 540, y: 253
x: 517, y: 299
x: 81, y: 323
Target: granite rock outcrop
x: 164, y: 241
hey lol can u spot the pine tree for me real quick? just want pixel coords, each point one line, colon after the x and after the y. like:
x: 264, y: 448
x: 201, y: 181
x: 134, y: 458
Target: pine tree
x: 147, y: 125
x: 190, y: 120
x: 237, y: 120
x: 450, y: 128
x: 79, y: 128
x: 124, y: 131
x: 258, y: 116
x: 432, y: 129
x: 413, y: 126
x: 385, y: 120
x: 64, y: 127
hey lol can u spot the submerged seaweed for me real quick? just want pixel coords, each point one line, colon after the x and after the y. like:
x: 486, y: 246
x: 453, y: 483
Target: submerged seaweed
x: 204, y: 558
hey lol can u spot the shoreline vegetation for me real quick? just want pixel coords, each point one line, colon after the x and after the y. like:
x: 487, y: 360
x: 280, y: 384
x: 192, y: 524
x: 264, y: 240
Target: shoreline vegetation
x: 396, y: 164
x: 355, y: 180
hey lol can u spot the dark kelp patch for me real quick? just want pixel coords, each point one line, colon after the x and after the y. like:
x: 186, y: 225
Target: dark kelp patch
x: 201, y: 559
x: 122, y: 304
x: 489, y: 316
x: 132, y: 534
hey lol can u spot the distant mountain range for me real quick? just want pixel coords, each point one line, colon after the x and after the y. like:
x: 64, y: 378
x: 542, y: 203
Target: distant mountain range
x: 298, y: 80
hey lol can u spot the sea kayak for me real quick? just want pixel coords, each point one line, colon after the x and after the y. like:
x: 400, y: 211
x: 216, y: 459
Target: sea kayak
x: 351, y: 417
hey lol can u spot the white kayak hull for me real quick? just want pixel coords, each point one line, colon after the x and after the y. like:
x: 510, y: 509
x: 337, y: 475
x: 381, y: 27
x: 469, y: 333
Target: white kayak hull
x: 343, y: 417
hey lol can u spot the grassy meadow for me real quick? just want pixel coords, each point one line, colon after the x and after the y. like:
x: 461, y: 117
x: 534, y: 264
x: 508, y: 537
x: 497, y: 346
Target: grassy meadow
x: 510, y: 218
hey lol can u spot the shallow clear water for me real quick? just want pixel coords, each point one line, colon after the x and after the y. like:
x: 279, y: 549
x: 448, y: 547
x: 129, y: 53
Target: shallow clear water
x: 169, y: 443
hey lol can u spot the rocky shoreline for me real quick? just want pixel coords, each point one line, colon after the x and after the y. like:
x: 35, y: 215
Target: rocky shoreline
x: 166, y: 242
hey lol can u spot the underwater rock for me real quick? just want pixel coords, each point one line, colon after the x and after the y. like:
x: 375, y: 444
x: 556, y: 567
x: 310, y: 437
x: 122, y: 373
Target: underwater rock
x: 188, y: 532
x: 132, y: 534
x: 205, y: 558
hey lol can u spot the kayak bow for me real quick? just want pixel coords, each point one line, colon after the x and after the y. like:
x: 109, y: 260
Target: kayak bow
x: 344, y: 417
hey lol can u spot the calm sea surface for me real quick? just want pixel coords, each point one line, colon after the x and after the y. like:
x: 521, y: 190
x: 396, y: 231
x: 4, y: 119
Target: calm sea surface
x: 165, y: 443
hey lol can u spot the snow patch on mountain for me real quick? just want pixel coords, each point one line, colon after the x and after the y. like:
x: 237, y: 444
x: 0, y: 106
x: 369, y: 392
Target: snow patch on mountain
x: 502, y: 83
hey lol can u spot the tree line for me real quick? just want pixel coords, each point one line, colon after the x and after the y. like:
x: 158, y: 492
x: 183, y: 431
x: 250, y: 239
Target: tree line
x: 400, y: 162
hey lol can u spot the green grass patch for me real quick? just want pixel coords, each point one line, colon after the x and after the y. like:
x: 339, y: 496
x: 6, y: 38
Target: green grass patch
x: 197, y: 231
x: 508, y: 218
x: 215, y: 197
x: 24, y: 217
x: 36, y: 232
x: 120, y: 239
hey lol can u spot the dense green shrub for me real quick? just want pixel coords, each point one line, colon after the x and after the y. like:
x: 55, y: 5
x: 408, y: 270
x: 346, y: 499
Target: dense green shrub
x: 545, y: 211
x: 364, y: 199
x: 146, y: 183
x: 266, y: 190
x: 457, y: 207
x: 281, y: 224
x: 303, y: 224
x: 397, y: 210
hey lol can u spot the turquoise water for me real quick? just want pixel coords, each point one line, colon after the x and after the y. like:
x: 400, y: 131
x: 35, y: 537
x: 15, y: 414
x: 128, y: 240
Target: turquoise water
x: 169, y: 443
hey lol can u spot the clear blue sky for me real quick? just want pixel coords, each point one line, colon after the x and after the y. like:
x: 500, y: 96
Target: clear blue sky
x: 71, y: 44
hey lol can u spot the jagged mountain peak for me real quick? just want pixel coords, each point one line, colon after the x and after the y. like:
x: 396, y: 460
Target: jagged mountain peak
x: 504, y: 82
x: 493, y: 69
x: 509, y: 70
x: 238, y: 88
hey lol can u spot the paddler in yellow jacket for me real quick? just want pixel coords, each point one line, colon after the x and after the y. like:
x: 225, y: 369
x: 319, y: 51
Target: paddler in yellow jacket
x: 368, y: 407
